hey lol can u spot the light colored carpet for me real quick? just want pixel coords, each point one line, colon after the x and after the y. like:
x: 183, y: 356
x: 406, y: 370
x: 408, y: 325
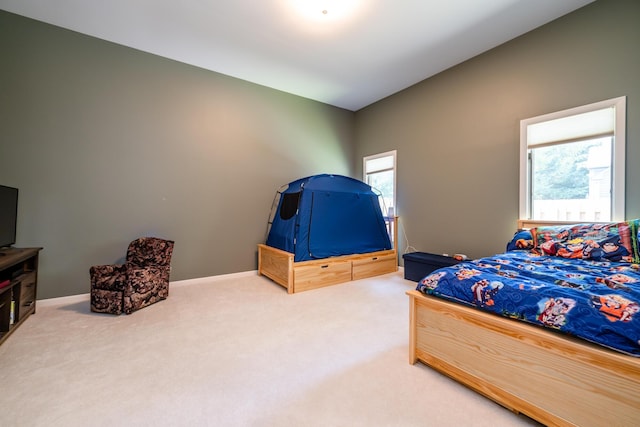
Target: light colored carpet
x: 234, y: 351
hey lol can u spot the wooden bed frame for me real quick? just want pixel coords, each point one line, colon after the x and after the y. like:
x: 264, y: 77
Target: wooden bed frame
x: 279, y: 266
x: 552, y: 378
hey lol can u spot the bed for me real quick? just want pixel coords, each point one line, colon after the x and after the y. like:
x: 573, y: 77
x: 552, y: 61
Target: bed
x: 327, y: 229
x: 536, y: 363
x: 280, y: 266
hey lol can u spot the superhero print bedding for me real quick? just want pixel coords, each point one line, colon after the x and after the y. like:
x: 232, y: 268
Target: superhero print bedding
x: 582, y: 280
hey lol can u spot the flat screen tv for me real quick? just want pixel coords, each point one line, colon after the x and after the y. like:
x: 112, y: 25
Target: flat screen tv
x: 8, y: 215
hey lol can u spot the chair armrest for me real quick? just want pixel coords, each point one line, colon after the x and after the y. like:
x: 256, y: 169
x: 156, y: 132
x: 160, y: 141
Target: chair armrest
x: 108, y: 277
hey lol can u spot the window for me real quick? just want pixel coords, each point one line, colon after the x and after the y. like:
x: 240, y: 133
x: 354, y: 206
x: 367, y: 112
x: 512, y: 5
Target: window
x: 572, y: 164
x: 379, y: 172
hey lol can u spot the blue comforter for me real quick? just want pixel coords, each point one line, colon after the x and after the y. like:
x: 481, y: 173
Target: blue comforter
x: 596, y: 301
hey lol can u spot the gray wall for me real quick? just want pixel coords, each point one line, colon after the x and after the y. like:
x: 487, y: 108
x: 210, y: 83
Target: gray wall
x: 457, y: 133
x: 108, y: 143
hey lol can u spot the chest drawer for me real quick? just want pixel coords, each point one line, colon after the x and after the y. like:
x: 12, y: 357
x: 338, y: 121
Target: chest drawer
x: 374, y: 265
x: 321, y: 274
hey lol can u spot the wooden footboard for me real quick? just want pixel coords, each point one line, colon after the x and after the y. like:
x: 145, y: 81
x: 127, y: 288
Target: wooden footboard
x: 554, y: 379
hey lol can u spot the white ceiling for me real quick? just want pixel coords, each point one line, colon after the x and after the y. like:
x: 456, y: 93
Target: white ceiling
x: 347, y: 58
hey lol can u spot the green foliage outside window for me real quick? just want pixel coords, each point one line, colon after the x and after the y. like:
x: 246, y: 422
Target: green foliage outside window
x: 560, y: 171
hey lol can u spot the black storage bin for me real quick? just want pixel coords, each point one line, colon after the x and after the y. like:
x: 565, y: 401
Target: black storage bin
x: 417, y: 265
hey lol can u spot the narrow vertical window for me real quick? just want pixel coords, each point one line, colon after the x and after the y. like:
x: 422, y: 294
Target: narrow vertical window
x: 379, y: 172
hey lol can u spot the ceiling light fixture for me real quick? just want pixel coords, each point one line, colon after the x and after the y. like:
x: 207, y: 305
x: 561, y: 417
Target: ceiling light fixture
x: 340, y: 9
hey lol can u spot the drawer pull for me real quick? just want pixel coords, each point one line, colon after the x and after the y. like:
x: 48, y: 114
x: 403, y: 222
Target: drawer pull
x: 374, y: 258
x: 324, y: 266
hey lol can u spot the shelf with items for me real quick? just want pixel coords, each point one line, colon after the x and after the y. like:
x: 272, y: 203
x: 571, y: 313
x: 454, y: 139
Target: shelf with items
x: 18, y: 267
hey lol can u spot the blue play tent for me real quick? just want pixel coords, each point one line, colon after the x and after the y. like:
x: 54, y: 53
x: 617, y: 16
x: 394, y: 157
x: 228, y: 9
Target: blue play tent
x: 327, y: 215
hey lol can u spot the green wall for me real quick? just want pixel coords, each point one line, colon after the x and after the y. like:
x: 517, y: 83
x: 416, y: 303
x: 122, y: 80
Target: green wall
x: 457, y: 133
x: 107, y: 143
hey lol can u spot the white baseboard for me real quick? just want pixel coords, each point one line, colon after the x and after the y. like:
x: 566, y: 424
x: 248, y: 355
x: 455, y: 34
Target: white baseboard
x: 214, y: 278
x: 63, y: 300
x: 85, y: 297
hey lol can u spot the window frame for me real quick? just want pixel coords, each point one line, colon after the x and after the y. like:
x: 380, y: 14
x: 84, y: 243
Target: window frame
x: 617, y: 158
x: 394, y: 155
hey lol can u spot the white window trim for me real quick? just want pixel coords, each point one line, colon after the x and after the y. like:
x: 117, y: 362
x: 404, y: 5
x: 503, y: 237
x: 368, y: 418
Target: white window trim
x: 394, y: 154
x: 618, y: 158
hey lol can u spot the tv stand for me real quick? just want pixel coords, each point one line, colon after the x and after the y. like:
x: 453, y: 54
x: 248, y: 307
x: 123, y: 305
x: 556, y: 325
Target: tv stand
x: 18, y: 287
x: 7, y: 250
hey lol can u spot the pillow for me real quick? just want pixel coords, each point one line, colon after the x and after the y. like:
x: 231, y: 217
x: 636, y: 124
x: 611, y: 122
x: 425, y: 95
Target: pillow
x: 634, y: 225
x: 522, y: 240
x: 598, y: 242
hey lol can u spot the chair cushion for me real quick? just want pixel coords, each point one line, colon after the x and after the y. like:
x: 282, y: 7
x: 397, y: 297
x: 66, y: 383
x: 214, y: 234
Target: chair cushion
x: 145, y: 287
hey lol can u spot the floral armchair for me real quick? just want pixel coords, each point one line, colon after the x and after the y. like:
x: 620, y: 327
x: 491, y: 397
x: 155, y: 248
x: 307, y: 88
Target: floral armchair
x: 141, y: 281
